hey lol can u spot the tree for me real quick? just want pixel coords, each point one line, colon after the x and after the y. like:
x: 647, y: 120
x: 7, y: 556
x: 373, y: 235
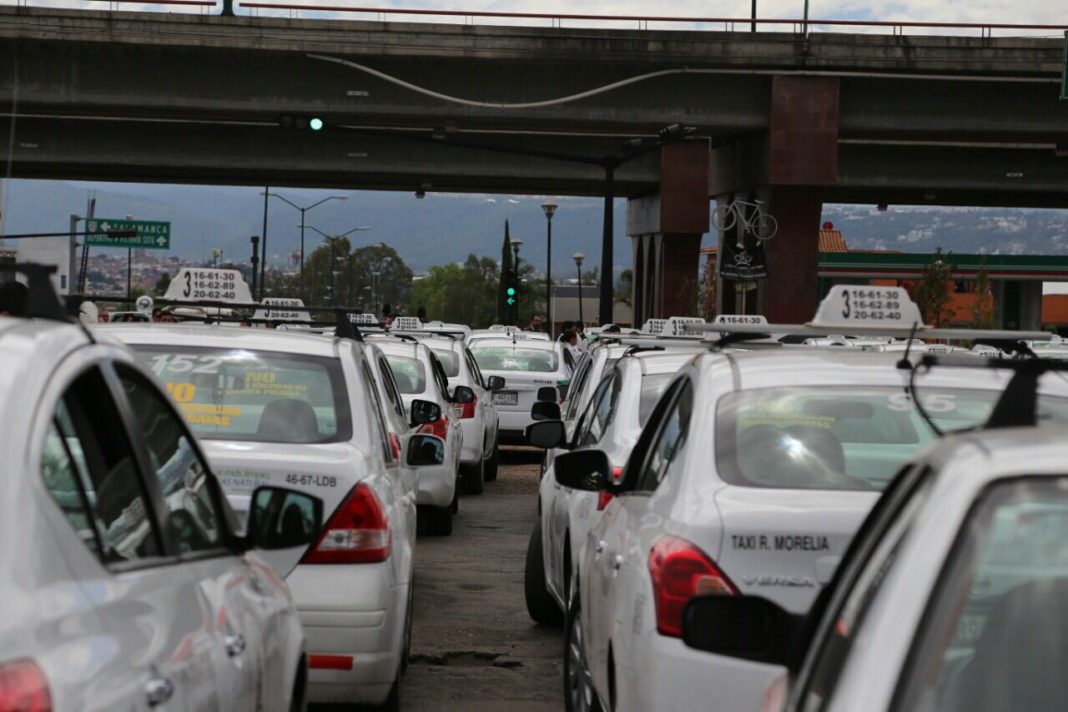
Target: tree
x: 983, y: 310
x: 504, y: 312
x: 624, y: 287
x: 333, y: 276
x: 466, y: 293
x: 932, y: 293
x: 162, y: 283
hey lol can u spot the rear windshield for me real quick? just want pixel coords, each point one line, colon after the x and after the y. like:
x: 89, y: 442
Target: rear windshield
x: 653, y: 385
x: 840, y: 438
x: 258, y: 396
x: 514, y: 358
x: 450, y: 361
x: 409, y: 373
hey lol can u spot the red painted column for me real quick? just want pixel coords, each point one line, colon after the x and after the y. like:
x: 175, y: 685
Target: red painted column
x: 803, y: 158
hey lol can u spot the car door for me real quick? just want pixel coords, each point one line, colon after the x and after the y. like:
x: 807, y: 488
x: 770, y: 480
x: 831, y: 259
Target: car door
x: 155, y: 645
x: 485, y: 410
x: 239, y: 599
x: 565, y: 501
x: 623, y: 538
x: 409, y: 477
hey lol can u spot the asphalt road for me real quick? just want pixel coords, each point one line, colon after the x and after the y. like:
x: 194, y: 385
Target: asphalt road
x: 473, y: 645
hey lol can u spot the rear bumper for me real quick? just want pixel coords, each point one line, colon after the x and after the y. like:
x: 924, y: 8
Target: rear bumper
x: 437, y: 485
x: 514, y: 423
x: 351, y: 611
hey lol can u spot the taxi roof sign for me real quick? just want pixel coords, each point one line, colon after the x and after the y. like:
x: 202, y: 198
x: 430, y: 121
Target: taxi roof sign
x: 751, y: 319
x: 208, y: 284
x: 674, y: 326
x: 282, y: 309
x: 407, y: 323
x: 864, y: 310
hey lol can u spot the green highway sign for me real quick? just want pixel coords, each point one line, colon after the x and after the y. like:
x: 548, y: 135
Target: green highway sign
x: 151, y: 234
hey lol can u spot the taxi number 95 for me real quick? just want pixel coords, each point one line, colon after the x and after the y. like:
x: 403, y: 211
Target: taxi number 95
x: 312, y: 480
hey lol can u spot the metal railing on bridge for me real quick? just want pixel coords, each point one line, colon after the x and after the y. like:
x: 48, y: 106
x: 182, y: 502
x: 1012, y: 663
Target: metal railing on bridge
x: 311, y: 10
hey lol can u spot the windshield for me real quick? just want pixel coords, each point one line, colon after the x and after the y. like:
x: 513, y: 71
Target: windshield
x: 653, y: 385
x: 515, y: 358
x: 853, y: 438
x: 259, y: 396
x: 409, y: 373
x: 450, y: 361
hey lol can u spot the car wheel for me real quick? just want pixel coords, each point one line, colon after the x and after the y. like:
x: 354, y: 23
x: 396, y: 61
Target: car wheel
x: 493, y: 462
x: 299, y: 702
x: 472, y: 478
x: 439, y: 521
x: 540, y: 604
x: 579, y: 695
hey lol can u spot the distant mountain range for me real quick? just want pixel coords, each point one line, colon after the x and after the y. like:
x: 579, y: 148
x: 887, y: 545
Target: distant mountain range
x: 445, y: 228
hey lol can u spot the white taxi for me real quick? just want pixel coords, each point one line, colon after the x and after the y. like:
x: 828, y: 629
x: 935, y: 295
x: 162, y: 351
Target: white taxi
x: 304, y: 411
x: 951, y: 597
x: 420, y: 378
x: 125, y: 581
x: 618, y: 409
x: 750, y: 478
x: 526, y: 364
x: 476, y: 412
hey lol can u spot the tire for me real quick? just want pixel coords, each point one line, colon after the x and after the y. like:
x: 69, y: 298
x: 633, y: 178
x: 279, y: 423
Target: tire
x: 473, y: 478
x: 493, y: 463
x: 299, y: 702
x: 579, y: 695
x: 540, y: 604
x: 439, y: 521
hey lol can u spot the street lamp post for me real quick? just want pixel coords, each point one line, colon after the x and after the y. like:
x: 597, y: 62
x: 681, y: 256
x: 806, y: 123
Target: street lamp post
x: 516, y: 244
x: 332, y: 239
x: 303, y: 210
x: 578, y: 265
x: 549, y: 209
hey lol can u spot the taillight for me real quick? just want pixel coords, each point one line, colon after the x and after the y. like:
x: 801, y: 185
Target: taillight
x: 680, y: 571
x: 467, y: 410
x: 439, y: 427
x: 395, y: 446
x: 24, y: 688
x: 604, y: 496
x: 357, y: 533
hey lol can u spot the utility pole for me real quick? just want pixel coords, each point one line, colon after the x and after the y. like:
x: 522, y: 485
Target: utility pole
x: 604, y: 311
x: 255, y: 260
x: 550, y: 209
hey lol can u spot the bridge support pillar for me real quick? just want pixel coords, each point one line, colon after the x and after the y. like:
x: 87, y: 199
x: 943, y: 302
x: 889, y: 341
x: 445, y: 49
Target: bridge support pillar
x: 666, y: 229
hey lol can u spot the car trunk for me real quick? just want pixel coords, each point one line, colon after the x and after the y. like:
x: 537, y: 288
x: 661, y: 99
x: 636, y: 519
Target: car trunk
x: 327, y: 471
x: 521, y: 389
x: 785, y: 544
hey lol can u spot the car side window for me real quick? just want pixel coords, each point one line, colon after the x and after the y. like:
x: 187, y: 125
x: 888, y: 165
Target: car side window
x: 472, y: 366
x: 378, y: 425
x: 88, y: 449
x: 439, y: 377
x: 391, y: 386
x: 597, y: 414
x: 574, y: 391
x: 669, y: 440
x: 195, y: 518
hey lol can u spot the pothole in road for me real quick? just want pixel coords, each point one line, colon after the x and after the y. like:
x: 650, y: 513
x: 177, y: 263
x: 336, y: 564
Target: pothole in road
x: 465, y: 658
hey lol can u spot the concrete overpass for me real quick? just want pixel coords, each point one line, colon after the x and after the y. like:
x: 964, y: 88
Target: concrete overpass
x: 796, y: 120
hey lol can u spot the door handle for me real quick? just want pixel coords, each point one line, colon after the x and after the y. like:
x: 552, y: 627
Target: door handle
x: 235, y: 645
x: 617, y: 562
x: 158, y: 690
x: 599, y: 549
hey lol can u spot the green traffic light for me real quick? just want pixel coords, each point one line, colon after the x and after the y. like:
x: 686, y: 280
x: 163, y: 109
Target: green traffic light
x: 315, y: 124
x: 511, y: 291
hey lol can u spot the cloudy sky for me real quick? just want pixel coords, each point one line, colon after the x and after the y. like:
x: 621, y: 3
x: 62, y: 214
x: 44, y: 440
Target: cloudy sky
x: 1009, y: 11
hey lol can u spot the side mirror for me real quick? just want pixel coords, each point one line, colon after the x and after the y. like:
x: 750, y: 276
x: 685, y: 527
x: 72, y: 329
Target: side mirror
x: 424, y: 412
x: 744, y: 627
x: 281, y: 518
x: 546, y: 433
x: 495, y: 383
x: 544, y: 410
x: 586, y: 470
x: 548, y: 394
x: 425, y: 451
x: 463, y: 394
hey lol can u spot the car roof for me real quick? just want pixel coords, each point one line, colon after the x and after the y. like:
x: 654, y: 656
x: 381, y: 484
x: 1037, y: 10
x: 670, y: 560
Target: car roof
x: 442, y: 343
x: 498, y: 341
x: 760, y: 368
x: 401, y: 347
x: 1006, y: 452
x: 216, y: 336
x: 656, y: 362
x: 28, y: 344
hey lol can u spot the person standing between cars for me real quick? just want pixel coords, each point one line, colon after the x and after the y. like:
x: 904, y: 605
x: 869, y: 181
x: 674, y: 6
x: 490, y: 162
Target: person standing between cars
x: 580, y: 330
x: 14, y: 299
x: 570, y: 339
x: 535, y: 323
